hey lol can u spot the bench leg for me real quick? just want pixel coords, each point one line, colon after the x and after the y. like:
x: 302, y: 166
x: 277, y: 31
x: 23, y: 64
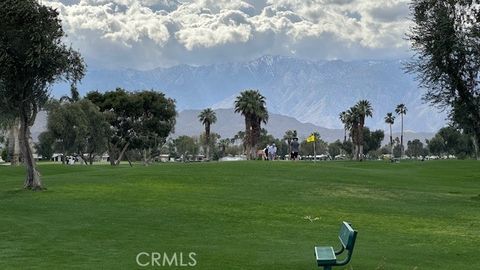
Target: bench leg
x: 327, y: 267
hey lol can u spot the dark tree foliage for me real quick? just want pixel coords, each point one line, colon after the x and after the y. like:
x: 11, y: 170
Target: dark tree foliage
x: 45, y: 145
x: 446, y: 38
x: 138, y: 120
x: 252, y: 105
x: 32, y: 57
x: 373, y: 140
x: 415, y: 148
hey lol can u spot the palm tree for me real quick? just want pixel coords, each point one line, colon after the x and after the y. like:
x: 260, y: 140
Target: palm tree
x: 224, y: 143
x: 207, y: 117
x: 390, y: 119
x: 343, y: 118
x: 401, y: 110
x: 289, y: 135
x: 364, y: 109
x: 351, y: 123
x: 251, y: 104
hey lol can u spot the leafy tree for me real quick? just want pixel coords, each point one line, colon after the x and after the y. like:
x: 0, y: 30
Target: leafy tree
x: 251, y: 104
x: 32, y: 57
x: 321, y: 147
x: 445, y: 37
x: 207, y: 117
x: 45, y: 145
x: 373, y: 140
x: 96, y: 136
x: 334, y: 149
x: 348, y: 147
x: 213, y: 141
x: 390, y: 120
x: 67, y: 124
x: 436, y: 145
x: 401, y: 110
x: 140, y: 120
x: 185, y: 146
x: 156, y: 118
x: 455, y: 142
x: 415, y: 148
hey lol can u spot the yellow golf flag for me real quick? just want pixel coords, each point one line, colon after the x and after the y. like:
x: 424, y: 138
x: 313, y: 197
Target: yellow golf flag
x: 311, y: 138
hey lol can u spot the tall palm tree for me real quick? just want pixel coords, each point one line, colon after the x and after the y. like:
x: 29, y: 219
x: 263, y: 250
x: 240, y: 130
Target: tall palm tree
x: 401, y: 110
x: 364, y: 109
x: 252, y: 105
x: 207, y: 117
x: 343, y: 118
x: 289, y: 135
x: 390, y: 119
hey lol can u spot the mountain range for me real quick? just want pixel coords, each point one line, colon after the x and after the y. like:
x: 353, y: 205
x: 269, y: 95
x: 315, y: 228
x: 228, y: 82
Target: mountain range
x: 310, y: 91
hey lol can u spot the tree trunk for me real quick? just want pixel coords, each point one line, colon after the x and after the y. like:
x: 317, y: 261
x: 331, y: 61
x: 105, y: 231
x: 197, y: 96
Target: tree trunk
x: 14, y: 144
x: 146, y: 159
x: 360, y: 141
x: 254, y: 139
x: 32, y: 181
x: 129, y: 161
x: 401, y: 141
x: 120, y: 156
x: 391, y: 140
x: 247, y: 137
x: 111, y: 154
x: 475, y: 146
x: 90, y: 158
x: 207, y: 141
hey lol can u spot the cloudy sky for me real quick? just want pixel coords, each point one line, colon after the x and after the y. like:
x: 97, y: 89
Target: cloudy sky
x: 145, y: 34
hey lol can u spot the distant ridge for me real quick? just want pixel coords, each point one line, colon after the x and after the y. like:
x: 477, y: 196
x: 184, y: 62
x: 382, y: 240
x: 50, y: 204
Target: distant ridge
x: 310, y: 91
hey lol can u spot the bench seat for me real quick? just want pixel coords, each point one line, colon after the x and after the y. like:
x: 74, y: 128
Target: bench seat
x: 325, y: 256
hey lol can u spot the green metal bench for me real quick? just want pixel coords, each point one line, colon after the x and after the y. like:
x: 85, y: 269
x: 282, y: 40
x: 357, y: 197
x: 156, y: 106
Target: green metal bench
x: 327, y: 256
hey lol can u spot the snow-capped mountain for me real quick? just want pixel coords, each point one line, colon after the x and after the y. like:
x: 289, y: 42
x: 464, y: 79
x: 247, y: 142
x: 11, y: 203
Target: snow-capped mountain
x: 310, y: 91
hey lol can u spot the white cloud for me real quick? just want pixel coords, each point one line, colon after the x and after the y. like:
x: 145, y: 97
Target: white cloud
x: 150, y: 33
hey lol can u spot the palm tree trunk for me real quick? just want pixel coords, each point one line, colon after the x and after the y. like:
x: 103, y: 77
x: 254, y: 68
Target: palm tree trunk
x: 360, y: 141
x: 401, y: 140
x: 207, y: 140
x: 32, y: 181
x: 248, y: 136
x: 391, y: 140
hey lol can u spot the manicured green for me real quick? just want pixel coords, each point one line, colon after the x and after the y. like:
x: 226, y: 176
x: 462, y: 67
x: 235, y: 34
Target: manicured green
x: 243, y: 215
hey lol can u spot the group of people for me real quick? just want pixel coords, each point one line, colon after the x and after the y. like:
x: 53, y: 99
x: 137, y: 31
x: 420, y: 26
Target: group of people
x: 270, y: 152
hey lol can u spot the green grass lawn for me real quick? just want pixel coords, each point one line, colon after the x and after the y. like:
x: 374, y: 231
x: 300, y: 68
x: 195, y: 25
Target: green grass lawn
x: 243, y: 215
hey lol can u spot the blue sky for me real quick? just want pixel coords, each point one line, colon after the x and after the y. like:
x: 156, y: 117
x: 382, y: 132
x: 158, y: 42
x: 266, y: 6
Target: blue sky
x: 145, y: 34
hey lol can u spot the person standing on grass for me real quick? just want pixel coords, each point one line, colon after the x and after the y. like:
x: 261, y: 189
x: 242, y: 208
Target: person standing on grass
x: 295, y: 146
x: 265, y: 151
x: 272, y: 151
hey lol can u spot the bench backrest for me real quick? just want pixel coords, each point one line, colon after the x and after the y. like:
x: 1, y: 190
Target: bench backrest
x: 347, y: 236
